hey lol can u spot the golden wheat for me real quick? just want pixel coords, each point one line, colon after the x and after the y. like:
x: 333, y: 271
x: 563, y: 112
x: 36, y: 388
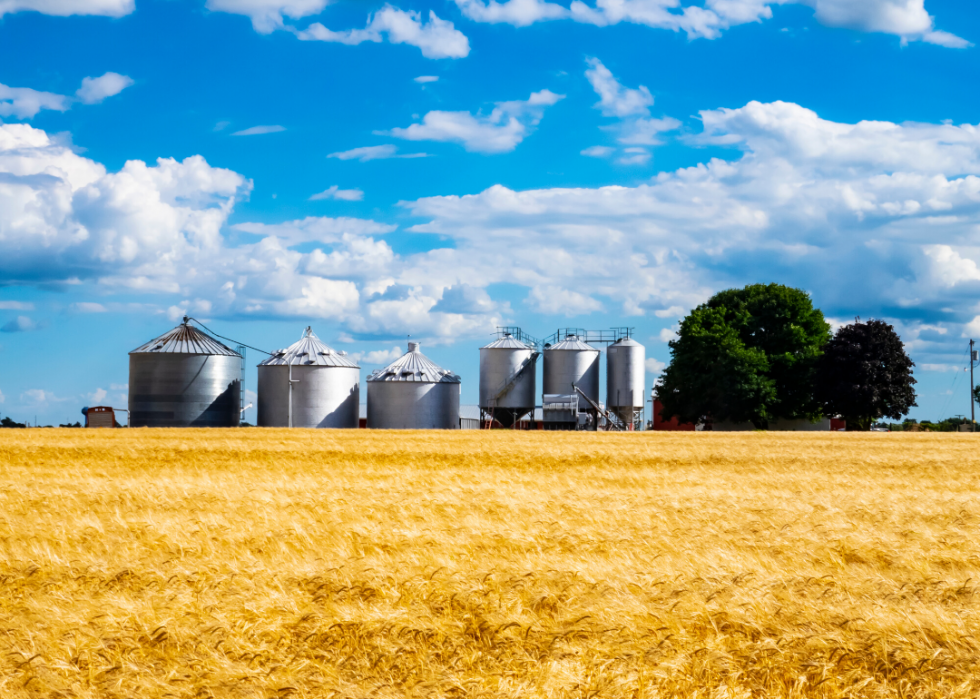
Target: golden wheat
x: 275, y: 563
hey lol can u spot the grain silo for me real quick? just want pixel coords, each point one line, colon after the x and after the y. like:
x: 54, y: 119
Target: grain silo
x: 625, y: 380
x: 413, y: 393
x: 309, y: 385
x: 507, y: 379
x: 184, y: 378
x: 569, y: 362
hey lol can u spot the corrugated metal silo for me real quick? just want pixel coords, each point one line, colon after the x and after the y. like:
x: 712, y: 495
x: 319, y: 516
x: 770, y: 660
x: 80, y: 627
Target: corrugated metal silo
x: 413, y: 393
x: 507, y: 379
x: 184, y: 378
x: 568, y: 362
x: 309, y: 385
x: 625, y: 379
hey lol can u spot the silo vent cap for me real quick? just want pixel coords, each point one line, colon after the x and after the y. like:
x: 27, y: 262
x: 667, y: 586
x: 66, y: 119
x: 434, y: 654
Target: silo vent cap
x: 414, y: 346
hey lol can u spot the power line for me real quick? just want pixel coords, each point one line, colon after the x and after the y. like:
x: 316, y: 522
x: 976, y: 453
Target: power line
x: 237, y: 342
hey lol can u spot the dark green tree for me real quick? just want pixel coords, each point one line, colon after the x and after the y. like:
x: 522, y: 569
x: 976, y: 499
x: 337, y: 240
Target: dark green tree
x: 976, y: 393
x: 747, y: 355
x: 865, y: 375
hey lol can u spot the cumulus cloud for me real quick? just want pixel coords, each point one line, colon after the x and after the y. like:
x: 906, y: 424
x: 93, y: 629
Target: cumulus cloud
x: 65, y: 8
x: 906, y: 19
x: 25, y: 103
x: 268, y: 15
x: 655, y: 366
x: 437, y: 38
x: 335, y: 192
x: 631, y: 107
x: 259, y: 130
x: 322, y: 229
x: 614, y: 99
x: 498, y: 132
x: 94, y: 90
x: 367, y: 153
x: 874, y: 218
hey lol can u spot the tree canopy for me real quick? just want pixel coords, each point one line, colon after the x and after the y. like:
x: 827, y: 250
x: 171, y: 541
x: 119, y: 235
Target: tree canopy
x: 747, y: 355
x: 865, y: 375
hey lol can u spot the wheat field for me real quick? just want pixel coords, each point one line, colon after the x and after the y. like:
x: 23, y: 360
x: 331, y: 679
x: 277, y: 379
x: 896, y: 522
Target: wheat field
x: 298, y: 563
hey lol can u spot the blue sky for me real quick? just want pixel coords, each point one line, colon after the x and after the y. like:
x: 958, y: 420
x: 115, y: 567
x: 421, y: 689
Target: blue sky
x: 438, y: 169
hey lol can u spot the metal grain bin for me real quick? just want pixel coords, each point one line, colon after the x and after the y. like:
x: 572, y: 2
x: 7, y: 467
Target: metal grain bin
x: 413, y: 393
x: 507, y: 379
x: 184, y: 378
x: 625, y: 379
x: 309, y: 385
x: 568, y: 362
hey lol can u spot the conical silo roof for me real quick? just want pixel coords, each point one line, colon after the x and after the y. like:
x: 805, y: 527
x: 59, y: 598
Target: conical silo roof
x: 185, y: 339
x: 309, y: 351
x: 572, y: 343
x: 414, y: 366
x: 508, y: 341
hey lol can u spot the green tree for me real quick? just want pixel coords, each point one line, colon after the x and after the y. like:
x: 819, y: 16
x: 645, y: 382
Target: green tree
x: 865, y: 375
x: 747, y: 355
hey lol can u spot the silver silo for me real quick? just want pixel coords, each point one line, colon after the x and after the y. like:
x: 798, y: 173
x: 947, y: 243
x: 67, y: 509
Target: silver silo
x: 568, y: 362
x: 309, y: 385
x: 413, y: 393
x: 626, y: 379
x: 184, y: 378
x: 507, y: 379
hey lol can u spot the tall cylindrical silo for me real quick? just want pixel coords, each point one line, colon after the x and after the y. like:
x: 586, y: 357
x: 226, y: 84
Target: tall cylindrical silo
x: 568, y: 362
x: 309, y: 385
x: 625, y: 378
x: 507, y: 379
x: 413, y: 393
x: 184, y: 378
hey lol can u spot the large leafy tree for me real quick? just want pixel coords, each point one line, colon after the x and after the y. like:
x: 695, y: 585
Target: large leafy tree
x: 865, y: 375
x: 747, y: 355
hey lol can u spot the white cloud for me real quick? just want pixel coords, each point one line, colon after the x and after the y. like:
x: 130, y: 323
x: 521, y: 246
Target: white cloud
x: 25, y: 103
x: 907, y: 19
x: 367, y: 153
x: 88, y: 307
x: 556, y: 300
x: 16, y: 306
x: 65, y: 8
x: 268, y: 15
x: 874, y: 218
x: 259, y: 130
x: 38, y: 397
x: 322, y: 229
x: 18, y: 325
x: 94, y: 90
x: 119, y: 387
x: 378, y: 356
x: 437, y: 38
x: 668, y: 334
x: 97, y: 396
x: 427, y: 79
x: 614, y: 99
x: 598, y: 151
x: 655, y: 366
x: 2, y: 397
x: 498, y: 132
x: 938, y: 367
x: 635, y: 156
x: 334, y: 192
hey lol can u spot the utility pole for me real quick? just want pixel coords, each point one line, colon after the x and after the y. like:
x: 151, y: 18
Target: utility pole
x: 973, y: 358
